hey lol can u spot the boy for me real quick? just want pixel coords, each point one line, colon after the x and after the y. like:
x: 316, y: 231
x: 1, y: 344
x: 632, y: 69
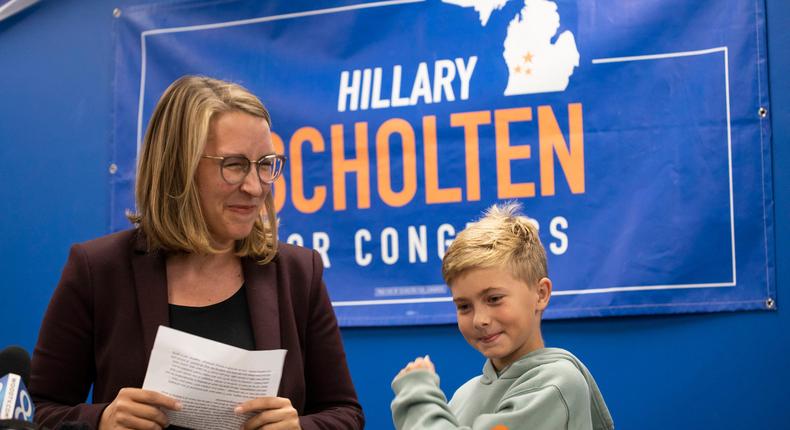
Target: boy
x: 496, y: 270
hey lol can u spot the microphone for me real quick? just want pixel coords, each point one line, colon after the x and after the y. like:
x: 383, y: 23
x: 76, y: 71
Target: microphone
x: 15, y: 359
x: 16, y: 406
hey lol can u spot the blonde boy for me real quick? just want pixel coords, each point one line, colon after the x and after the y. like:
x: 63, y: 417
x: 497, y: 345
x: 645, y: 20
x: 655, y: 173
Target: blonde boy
x: 496, y: 270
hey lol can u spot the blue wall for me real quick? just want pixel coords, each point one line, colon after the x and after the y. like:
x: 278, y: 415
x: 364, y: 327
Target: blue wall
x: 723, y: 371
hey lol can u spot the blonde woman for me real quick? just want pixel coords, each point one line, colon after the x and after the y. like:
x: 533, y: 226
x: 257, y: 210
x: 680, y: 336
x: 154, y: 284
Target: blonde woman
x: 202, y: 257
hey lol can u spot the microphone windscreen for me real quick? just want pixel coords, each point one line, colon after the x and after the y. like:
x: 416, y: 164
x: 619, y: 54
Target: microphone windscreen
x: 14, y: 359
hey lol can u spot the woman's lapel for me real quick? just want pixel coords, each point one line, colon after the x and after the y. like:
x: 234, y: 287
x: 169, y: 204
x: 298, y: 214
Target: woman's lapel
x: 263, y: 300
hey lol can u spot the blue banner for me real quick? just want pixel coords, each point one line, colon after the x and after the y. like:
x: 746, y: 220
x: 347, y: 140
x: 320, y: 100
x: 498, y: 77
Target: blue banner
x: 635, y: 134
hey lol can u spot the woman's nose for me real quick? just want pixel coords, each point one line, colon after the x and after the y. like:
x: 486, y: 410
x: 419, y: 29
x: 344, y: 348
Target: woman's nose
x: 252, y: 184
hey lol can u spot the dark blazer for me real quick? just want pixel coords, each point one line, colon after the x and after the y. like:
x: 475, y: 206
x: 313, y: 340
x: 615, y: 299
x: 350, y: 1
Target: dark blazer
x: 102, y: 320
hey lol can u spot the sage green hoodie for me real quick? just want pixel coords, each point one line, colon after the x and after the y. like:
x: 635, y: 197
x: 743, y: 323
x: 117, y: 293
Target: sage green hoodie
x: 546, y: 389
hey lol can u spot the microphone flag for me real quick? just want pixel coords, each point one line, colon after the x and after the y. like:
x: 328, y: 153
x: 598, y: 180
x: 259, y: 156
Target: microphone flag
x: 15, y: 401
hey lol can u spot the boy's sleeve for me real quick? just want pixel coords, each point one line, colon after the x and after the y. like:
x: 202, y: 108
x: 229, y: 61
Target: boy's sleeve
x: 420, y: 404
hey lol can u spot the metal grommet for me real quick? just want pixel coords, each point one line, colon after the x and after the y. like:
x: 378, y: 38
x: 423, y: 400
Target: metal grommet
x: 770, y: 303
x: 116, y: 12
x: 763, y: 112
x: 113, y: 168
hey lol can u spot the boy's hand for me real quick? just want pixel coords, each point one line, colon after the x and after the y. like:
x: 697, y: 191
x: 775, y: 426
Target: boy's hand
x: 420, y: 363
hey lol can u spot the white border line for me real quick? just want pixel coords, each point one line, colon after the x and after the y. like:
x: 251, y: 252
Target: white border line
x: 553, y: 293
x: 280, y: 17
x: 659, y: 56
x: 154, y: 32
x: 729, y: 161
x: 391, y: 301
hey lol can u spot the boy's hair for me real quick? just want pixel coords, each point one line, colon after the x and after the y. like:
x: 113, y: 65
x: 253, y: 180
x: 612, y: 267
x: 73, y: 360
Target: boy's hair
x: 503, y: 237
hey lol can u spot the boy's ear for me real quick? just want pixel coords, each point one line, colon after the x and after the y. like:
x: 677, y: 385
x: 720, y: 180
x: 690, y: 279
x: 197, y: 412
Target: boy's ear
x: 544, y: 293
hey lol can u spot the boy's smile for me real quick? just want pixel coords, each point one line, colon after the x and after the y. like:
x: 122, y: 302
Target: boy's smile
x: 498, y: 314
x: 490, y: 338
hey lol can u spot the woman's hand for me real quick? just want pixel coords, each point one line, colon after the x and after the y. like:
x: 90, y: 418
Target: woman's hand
x: 134, y: 408
x: 271, y: 413
x: 419, y: 363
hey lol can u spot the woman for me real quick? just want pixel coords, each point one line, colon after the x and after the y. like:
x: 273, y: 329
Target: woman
x: 203, y: 258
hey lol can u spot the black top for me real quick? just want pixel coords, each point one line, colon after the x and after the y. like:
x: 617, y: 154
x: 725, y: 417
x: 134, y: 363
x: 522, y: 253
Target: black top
x: 227, y: 321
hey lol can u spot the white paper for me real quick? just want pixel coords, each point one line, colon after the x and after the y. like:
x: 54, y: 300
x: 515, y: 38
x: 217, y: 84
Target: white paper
x: 210, y: 378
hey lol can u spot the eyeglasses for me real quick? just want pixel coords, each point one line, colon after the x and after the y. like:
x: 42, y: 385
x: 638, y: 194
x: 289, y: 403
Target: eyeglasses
x: 235, y: 168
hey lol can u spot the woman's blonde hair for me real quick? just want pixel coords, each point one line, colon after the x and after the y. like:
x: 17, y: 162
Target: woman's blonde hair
x: 168, y: 206
x: 504, y: 238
